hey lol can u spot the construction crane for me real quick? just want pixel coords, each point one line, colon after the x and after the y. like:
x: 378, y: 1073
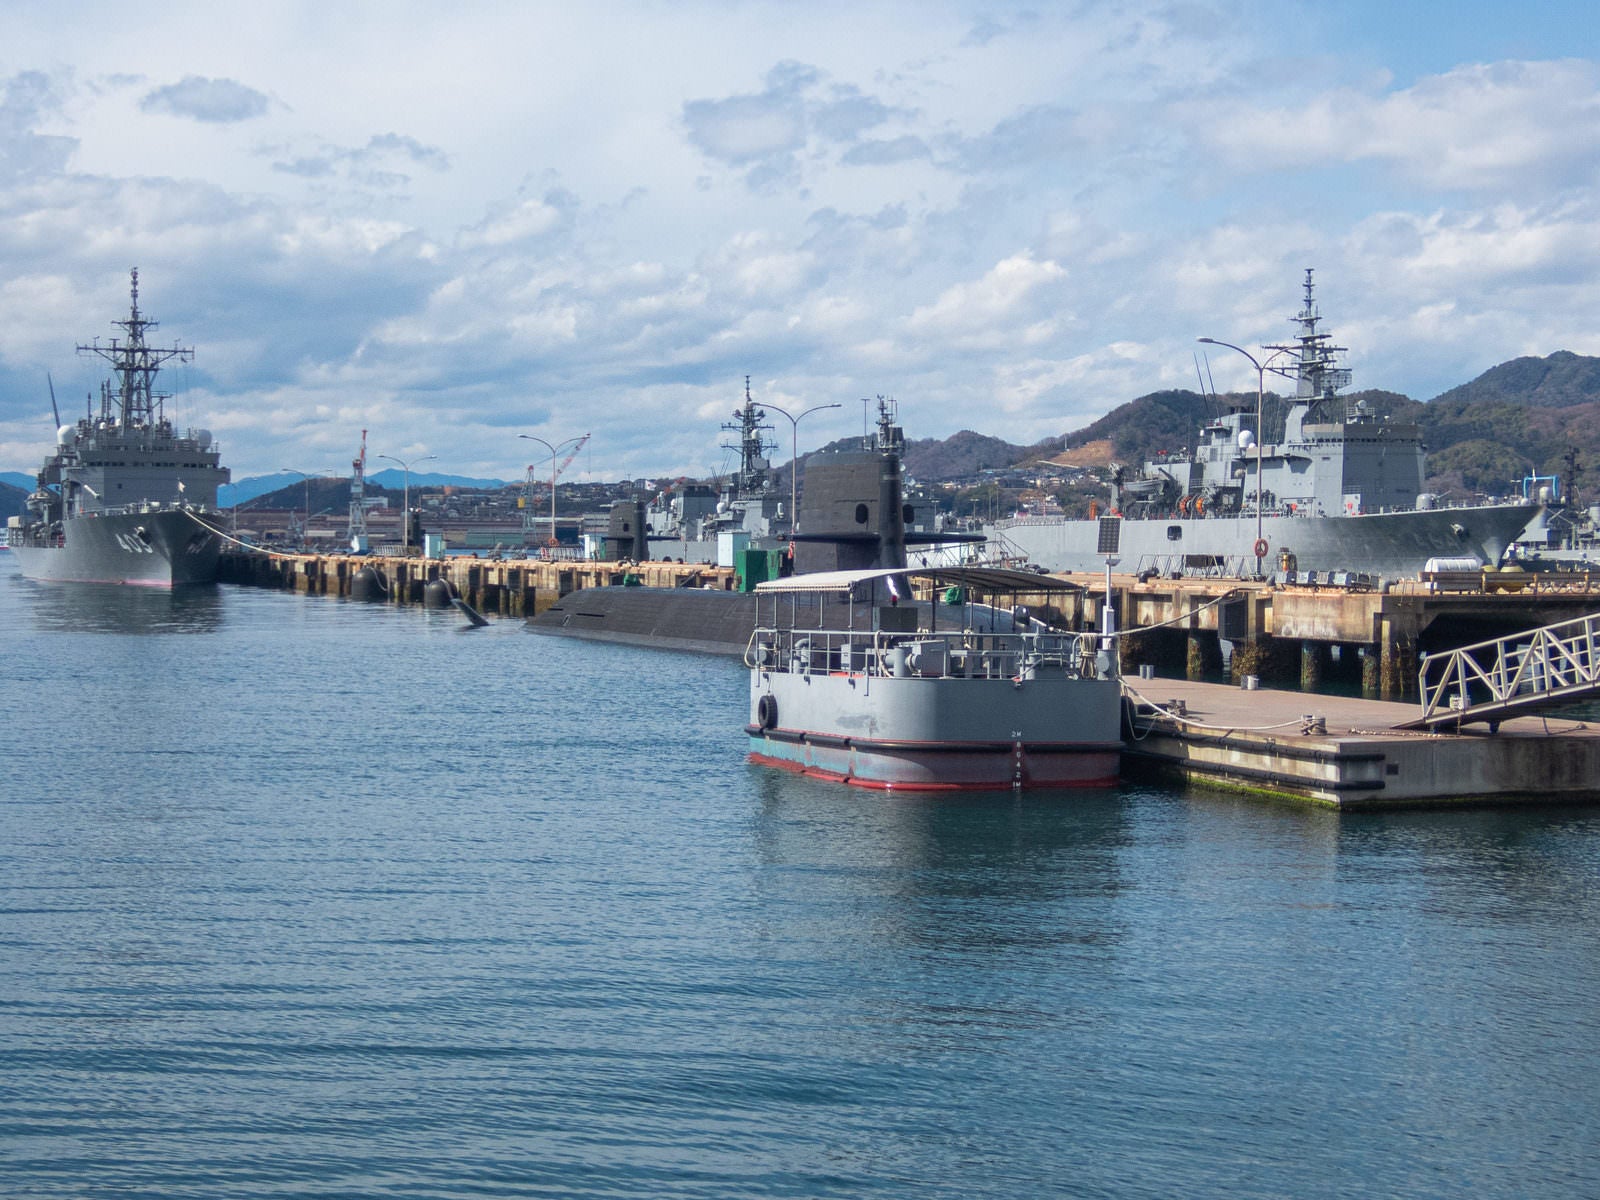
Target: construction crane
x: 529, y: 494
x: 358, y: 512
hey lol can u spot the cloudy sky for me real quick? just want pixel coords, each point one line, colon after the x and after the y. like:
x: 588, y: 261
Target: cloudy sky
x: 451, y: 224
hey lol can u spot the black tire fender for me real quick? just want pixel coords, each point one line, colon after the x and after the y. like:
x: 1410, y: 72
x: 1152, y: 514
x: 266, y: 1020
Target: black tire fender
x: 767, y: 711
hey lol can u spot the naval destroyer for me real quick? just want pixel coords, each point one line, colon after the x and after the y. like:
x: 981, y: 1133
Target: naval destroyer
x: 125, y: 497
x: 1339, y: 496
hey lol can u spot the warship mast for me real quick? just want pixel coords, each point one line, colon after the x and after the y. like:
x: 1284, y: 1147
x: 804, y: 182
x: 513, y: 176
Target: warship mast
x: 136, y: 365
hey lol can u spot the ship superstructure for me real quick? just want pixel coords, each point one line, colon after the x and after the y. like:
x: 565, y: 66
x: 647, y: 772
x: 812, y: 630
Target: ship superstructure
x: 1341, y: 492
x: 125, y: 497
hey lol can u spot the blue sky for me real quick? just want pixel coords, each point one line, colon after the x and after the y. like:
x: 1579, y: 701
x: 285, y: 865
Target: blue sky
x: 451, y: 226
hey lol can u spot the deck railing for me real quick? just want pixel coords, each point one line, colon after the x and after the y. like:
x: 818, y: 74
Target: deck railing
x: 964, y: 655
x: 1490, y: 681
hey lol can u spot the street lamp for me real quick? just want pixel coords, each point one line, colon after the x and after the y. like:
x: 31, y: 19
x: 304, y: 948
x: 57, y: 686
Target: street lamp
x: 305, y: 530
x: 405, y: 500
x: 1261, y: 387
x: 794, y: 457
x: 553, y: 451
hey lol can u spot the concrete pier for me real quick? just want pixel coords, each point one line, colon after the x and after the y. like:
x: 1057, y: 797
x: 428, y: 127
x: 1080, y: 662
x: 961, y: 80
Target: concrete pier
x: 1343, y: 752
x: 514, y: 589
x: 1285, y: 635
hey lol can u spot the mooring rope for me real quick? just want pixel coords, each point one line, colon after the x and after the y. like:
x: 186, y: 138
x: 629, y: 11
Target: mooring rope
x: 1121, y: 633
x: 225, y: 536
x: 1184, y: 719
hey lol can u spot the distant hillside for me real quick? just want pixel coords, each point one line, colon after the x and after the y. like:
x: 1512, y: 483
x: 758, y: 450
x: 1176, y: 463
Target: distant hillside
x: 18, y: 479
x: 13, y: 500
x: 1559, y: 380
x: 1484, y: 435
x: 257, y: 486
x: 1157, y: 421
x: 959, y: 456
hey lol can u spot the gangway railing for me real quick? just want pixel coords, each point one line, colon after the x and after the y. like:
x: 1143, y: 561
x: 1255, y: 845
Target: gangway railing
x: 1510, y: 676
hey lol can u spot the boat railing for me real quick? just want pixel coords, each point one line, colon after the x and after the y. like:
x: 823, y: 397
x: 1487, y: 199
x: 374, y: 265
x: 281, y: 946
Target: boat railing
x: 145, y: 506
x: 967, y: 654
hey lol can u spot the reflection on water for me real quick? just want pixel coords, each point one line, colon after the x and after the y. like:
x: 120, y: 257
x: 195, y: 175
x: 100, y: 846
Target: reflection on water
x: 112, y: 608
x: 984, y: 873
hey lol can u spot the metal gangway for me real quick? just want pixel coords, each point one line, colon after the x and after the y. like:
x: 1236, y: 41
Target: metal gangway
x: 1510, y: 676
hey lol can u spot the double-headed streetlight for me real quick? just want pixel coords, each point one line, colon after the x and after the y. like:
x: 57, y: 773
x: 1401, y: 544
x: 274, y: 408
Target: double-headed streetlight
x: 1261, y: 386
x: 405, y: 501
x: 794, y: 456
x: 305, y: 530
x: 554, y: 450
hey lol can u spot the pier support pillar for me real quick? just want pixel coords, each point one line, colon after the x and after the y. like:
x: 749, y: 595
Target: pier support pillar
x: 1397, y: 667
x: 1272, y: 660
x: 1163, y: 649
x: 1205, y: 655
x: 1315, y: 658
x: 1369, y: 672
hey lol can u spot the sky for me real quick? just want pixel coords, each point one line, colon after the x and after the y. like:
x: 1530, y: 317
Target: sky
x: 451, y: 225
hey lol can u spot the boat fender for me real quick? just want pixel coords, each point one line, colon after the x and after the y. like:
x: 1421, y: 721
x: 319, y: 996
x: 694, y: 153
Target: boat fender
x: 767, y: 711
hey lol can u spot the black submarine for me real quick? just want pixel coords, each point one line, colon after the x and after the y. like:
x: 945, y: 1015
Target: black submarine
x: 853, y: 516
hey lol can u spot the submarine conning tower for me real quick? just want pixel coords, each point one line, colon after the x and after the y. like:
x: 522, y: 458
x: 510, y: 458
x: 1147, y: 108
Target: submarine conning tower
x: 853, y: 511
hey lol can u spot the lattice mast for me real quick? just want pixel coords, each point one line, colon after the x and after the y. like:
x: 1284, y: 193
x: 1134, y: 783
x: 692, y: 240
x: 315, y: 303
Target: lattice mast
x: 136, y: 402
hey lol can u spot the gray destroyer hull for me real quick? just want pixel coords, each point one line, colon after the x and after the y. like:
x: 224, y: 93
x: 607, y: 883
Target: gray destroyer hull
x: 162, y: 549
x: 1391, y: 546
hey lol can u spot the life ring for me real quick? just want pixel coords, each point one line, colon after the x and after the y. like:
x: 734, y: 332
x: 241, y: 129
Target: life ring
x: 1261, y: 547
x: 767, y: 711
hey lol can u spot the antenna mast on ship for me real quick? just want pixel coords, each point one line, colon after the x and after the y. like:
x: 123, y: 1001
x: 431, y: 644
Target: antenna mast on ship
x: 137, y: 366
x: 753, y: 448
x: 1315, y: 372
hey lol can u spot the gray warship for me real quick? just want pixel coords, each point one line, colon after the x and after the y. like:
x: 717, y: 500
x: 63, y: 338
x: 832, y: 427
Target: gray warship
x: 695, y: 522
x: 125, y: 498
x: 1338, y: 498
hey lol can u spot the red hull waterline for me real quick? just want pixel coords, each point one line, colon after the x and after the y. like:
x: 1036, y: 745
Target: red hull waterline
x: 941, y: 767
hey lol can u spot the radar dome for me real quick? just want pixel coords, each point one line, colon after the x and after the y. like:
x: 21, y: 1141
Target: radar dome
x: 203, y: 437
x: 1246, y: 439
x: 63, y: 435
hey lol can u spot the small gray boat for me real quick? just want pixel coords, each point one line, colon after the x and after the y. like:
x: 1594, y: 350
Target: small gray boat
x: 948, y: 695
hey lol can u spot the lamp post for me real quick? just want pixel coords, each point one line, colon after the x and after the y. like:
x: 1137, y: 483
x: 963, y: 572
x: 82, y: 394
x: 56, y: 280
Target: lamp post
x: 405, y: 500
x: 1261, y: 387
x: 794, y: 457
x: 305, y: 530
x: 553, y: 451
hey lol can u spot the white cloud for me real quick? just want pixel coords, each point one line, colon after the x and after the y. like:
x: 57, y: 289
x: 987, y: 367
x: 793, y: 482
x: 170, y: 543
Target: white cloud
x: 1517, y: 124
x: 1013, y: 218
x: 215, y: 100
x: 996, y: 300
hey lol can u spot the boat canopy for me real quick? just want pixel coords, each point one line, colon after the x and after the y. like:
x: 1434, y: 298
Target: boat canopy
x: 983, y: 580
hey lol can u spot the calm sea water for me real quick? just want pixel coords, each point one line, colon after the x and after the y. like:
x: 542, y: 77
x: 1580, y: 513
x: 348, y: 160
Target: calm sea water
x: 303, y: 898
